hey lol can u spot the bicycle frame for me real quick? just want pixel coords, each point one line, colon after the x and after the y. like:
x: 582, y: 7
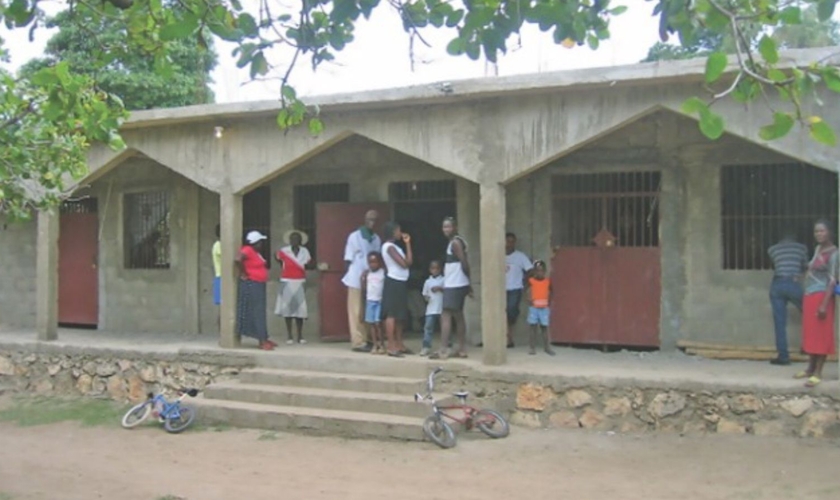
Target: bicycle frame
x: 167, y: 408
x: 468, y: 412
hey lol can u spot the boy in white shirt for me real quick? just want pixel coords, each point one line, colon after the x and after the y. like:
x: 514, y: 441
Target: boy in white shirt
x: 433, y: 293
x: 373, y: 283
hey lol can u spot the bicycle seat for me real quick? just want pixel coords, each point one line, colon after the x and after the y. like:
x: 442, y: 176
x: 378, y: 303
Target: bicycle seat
x: 461, y: 394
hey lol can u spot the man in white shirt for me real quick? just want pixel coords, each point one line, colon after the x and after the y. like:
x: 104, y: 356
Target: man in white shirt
x: 517, y: 268
x: 359, y: 244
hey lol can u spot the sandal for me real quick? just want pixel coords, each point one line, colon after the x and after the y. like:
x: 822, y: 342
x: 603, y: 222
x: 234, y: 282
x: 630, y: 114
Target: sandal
x: 407, y: 351
x: 461, y: 354
x: 802, y: 375
x: 442, y: 354
x: 395, y: 354
x: 813, y: 381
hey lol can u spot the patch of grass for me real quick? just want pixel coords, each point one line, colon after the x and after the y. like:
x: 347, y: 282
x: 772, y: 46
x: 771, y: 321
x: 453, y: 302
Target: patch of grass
x: 27, y: 412
x: 268, y: 436
x: 198, y: 427
x: 5, y: 496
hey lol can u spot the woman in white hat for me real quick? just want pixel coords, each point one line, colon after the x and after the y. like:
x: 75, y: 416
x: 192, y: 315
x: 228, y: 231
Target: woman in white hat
x: 251, y: 302
x: 291, y: 300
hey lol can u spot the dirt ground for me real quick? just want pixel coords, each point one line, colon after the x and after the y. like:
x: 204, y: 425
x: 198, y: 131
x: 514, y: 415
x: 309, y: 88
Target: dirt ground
x: 68, y: 461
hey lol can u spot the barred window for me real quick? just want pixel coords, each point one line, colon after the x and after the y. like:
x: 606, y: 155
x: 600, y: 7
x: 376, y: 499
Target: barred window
x: 761, y: 204
x: 146, y: 230
x: 306, y: 197
x: 256, y: 216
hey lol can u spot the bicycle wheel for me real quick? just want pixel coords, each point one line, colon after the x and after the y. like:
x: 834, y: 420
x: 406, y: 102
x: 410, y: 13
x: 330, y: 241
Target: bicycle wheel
x: 136, y: 415
x: 491, y: 423
x: 439, y: 432
x: 178, y: 420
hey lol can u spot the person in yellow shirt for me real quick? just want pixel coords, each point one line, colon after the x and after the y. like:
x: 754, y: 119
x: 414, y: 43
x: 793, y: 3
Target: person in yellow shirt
x: 217, y: 267
x: 539, y: 312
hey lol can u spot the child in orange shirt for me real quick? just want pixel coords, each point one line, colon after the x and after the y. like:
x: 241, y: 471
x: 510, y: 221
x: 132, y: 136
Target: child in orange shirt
x: 540, y: 296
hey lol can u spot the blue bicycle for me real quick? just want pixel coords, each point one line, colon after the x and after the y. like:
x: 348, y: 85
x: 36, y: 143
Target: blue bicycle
x: 175, y: 417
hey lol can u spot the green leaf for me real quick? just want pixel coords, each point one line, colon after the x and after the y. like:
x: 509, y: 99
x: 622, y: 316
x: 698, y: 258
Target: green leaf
x: 617, y: 11
x: 782, y: 123
x: 454, y: 18
x: 283, y: 119
x: 179, y: 29
x: 456, y: 47
x: 825, y: 9
x: 694, y: 105
x: 822, y: 132
x: 767, y: 49
x: 288, y: 92
x: 62, y: 71
x: 831, y: 76
x: 259, y: 65
x: 316, y: 126
x: 715, y: 66
x: 791, y: 15
x: 593, y: 42
x: 711, y: 125
x: 246, y: 23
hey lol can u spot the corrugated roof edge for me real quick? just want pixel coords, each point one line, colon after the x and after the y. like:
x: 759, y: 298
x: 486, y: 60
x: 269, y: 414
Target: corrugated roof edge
x: 469, y: 89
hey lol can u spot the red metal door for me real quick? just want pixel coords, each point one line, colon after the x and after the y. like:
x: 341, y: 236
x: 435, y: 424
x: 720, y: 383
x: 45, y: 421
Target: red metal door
x: 606, y: 268
x: 333, y: 223
x: 78, y: 275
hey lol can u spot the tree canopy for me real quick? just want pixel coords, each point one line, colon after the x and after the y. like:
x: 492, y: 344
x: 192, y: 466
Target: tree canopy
x: 50, y: 117
x: 84, y: 38
x: 811, y: 32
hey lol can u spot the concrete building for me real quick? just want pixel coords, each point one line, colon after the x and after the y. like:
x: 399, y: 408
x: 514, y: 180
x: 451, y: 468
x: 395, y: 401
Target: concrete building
x: 653, y: 233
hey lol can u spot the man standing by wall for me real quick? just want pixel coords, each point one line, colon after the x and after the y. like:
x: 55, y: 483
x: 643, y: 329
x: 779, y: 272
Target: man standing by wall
x: 359, y: 244
x: 517, y: 267
x: 790, y: 259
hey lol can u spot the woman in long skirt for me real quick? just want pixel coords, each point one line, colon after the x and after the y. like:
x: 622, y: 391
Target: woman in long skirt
x: 291, y: 300
x: 818, y: 305
x: 251, y: 301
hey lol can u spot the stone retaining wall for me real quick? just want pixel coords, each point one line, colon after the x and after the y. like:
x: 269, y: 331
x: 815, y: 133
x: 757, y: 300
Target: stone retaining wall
x: 634, y: 409
x: 118, y: 376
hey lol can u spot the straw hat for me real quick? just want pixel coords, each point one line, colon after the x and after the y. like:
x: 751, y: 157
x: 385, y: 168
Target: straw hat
x: 304, y: 238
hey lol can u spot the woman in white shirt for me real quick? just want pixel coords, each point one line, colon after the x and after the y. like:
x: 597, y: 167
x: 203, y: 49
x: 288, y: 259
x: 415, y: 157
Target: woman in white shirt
x: 395, y: 293
x: 291, y: 300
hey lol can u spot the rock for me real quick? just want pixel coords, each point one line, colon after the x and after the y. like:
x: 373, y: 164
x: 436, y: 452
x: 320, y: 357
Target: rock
x: 638, y: 398
x: 230, y: 371
x: 190, y: 367
x: 148, y: 374
x: 819, y: 423
x: 76, y: 372
x: 769, y: 428
x: 526, y: 419
x: 711, y: 417
x: 533, y: 397
x: 106, y: 369
x: 617, y: 407
x: 43, y: 386
x: 578, y: 399
x: 84, y: 383
x: 136, y: 389
x: 208, y: 370
x: 694, y: 427
x: 124, y: 365
x: 53, y: 369
x: 63, y: 383
x: 90, y: 368
x: 21, y: 370
x: 98, y: 386
x: 746, y: 403
x: 799, y: 406
x: 722, y: 404
x: 726, y: 426
x: 591, y: 419
x: 116, y: 388
x: 6, y: 366
x: 666, y: 404
x: 30, y: 359
x: 564, y: 419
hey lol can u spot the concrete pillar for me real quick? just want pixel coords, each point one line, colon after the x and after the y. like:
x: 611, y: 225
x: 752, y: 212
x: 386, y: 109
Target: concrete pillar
x: 492, y: 241
x: 46, y: 276
x: 191, y: 258
x: 230, y: 216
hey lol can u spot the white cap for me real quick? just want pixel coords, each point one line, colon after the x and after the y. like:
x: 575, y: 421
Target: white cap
x: 255, y: 236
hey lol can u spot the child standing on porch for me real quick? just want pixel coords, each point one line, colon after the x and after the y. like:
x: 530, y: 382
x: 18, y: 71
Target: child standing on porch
x: 540, y: 294
x: 433, y: 293
x: 373, y: 282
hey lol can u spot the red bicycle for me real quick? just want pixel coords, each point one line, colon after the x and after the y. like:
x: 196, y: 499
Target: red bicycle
x: 438, y: 430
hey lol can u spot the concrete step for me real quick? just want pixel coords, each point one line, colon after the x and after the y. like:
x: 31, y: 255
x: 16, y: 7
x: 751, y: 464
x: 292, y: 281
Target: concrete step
x: 312, y: 397
x: 335, y: 381
x: 309, y: 420
x: 413, y: 367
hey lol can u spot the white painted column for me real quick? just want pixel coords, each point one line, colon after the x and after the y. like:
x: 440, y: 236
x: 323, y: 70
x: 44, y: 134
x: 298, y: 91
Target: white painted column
x: 492, y: 241
x: 230, y: 214
x: 46, y: 276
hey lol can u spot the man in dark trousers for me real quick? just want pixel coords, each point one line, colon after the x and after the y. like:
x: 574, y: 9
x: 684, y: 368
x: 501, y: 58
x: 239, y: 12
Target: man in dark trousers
x: 790, y: 259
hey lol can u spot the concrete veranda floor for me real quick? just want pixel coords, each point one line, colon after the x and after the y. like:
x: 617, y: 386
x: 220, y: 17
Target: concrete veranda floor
x: 572, y: 366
